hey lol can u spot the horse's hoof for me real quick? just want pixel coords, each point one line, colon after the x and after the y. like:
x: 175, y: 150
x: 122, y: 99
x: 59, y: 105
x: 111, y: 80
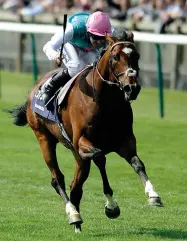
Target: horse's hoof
x: 75, y: 219
x: 155, y: 201
x: 77, y: 228
x: 112, y: 213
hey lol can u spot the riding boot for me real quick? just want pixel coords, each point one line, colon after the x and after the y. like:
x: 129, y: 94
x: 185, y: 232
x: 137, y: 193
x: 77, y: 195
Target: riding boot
x: 49, y: 89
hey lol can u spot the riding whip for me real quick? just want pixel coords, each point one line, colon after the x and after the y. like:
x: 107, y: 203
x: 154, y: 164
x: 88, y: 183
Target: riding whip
x: 64, y: 28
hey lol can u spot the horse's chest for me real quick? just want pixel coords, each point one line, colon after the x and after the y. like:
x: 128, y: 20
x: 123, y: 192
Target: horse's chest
x: 109, y: 123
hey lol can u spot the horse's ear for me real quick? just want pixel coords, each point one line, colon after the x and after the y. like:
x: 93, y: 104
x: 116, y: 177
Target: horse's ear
x: 109, y: 39
x: 130, y: 36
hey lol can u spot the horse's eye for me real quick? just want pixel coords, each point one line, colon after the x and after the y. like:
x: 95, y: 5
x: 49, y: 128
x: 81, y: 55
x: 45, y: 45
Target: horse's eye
x: 116, y: 57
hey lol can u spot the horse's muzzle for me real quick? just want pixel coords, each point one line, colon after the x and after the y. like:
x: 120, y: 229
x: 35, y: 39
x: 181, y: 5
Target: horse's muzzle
x: 131, y: 91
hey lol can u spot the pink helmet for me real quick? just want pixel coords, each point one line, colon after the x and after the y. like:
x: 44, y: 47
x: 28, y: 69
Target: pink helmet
x: 98, y: 24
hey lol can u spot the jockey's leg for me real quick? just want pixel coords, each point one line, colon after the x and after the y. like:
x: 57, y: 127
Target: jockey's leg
x: 74, y: 63
x: 75, y: 59
x: 54, y: 84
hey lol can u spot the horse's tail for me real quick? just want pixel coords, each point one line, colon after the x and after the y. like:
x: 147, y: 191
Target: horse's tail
x: 19, y: 114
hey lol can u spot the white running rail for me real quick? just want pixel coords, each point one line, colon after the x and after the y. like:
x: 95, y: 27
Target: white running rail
x: 51, y: 29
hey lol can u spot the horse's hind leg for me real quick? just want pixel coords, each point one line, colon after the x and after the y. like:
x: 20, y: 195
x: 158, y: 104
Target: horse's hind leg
x: 111, y: 208
x: 48, y: 147
x: 128, y: 151
x: 76, y: 190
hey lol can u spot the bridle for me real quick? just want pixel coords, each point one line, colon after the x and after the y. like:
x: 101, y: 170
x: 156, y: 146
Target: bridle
x: 129, y: 72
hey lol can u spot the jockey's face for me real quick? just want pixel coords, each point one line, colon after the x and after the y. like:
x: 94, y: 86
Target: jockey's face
x: 97, y: 41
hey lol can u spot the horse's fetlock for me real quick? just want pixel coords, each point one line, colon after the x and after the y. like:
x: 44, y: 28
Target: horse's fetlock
x: 108, y: 190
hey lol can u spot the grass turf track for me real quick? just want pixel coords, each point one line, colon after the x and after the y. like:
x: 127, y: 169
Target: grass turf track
x: 30, y: 210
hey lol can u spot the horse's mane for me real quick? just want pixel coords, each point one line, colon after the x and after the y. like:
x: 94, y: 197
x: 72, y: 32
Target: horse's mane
x: 118, y: 35
x: 122, y: 35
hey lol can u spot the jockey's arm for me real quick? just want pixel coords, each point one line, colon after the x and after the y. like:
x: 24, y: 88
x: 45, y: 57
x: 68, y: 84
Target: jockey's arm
x: 52, y: 47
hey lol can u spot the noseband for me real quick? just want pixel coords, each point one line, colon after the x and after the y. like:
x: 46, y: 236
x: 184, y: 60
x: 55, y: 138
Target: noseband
x: 128, y: 73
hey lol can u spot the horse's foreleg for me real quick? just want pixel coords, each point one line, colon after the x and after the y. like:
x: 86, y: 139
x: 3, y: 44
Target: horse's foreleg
x: 48, y: 147
x: 111, y: 208
x: 128, y: 151
x: 87, y: 150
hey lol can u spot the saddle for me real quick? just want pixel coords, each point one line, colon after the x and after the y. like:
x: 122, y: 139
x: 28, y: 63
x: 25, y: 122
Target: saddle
x: 50, y: 111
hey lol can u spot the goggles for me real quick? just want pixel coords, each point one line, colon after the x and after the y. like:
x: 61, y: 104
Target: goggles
x: 96, y: 37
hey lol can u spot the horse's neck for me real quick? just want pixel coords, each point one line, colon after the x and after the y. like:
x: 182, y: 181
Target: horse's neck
x: 98, y: 97
x: 100, y: 73
x: 107, y: 95
x: 103, y: 66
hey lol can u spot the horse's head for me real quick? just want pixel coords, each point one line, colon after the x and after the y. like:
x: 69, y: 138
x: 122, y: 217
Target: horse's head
x: 123, y: 64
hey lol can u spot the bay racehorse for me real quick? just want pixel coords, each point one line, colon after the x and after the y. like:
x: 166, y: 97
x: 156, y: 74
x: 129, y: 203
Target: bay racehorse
x: 98, y: 119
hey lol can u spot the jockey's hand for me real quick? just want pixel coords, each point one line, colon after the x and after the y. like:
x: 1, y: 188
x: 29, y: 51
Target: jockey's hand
x: 58, y: 60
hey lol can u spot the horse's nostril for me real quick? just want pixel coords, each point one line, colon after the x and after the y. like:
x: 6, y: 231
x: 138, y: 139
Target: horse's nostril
x: 127, y: 88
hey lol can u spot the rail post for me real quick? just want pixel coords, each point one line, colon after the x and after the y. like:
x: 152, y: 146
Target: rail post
x: 34, y: 58
x: 160, y: 80
x: 34, y: 55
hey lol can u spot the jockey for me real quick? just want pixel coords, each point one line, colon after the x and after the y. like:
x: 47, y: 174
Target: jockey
x: 84, y: 35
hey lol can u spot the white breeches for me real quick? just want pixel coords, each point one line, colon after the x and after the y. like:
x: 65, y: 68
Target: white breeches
x: 76, y: 59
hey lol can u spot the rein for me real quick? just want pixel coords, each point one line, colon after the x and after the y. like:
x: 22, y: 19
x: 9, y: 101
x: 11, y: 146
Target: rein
x: 127, y: 73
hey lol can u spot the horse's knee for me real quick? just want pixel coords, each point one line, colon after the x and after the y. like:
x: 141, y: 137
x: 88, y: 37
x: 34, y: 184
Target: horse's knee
x: 87, y: 150
x: 92, y: 153
x: 99, y: 156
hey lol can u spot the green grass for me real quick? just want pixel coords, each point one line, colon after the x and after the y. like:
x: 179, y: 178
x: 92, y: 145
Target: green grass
x: 30, y: 210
